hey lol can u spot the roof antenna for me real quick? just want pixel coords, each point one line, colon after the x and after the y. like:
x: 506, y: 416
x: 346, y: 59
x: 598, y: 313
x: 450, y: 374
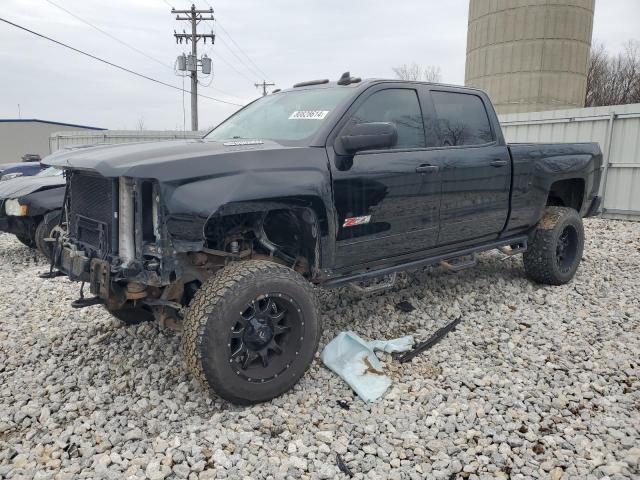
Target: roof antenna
x: 345, y: 79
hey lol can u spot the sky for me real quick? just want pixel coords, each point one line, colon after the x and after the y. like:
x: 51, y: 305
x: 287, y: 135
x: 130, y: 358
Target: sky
x: 287, y: 40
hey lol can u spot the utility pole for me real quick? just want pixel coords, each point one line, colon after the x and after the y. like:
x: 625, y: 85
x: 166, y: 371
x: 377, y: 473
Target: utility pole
x: 194, y: 16
x: 264, y: 86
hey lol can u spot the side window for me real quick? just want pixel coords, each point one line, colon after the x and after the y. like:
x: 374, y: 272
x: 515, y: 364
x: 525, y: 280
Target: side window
x: 397, y: 106
x: 461, y: 119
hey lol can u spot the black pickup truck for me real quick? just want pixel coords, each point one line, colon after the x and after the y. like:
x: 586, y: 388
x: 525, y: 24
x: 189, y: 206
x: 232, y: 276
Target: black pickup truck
x: 326, y: 183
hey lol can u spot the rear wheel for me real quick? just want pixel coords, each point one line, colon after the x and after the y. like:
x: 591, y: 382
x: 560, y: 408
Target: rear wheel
x: 556, y: 250
x: 43, y: 231
x: 251, y: 331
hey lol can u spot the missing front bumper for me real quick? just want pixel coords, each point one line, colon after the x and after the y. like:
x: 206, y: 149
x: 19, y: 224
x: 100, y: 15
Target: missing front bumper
x: 96, y: 272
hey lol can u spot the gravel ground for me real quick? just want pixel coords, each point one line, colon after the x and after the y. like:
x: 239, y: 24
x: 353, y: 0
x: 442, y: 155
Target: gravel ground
x: 537, y: 382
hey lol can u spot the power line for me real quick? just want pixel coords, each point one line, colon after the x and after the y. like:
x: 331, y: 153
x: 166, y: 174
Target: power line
x: 219, y: 57
x: 110, y: 63
x: 262, y: 74
x: 252, y: 71
x: 242, y: 51
x: 131, y: 47
x: 227, y: 62
x: 112, y: 37
x: 249, y: 69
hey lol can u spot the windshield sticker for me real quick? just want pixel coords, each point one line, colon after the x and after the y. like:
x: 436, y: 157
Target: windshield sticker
x: 242, y: 143
x: 309, y: 115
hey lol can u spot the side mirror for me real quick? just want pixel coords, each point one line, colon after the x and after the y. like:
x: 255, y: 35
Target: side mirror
x: 369, y: 136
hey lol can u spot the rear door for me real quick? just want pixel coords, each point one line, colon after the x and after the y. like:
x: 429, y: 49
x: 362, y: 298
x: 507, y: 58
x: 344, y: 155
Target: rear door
x: 476, y: 167
x: 387, y: 201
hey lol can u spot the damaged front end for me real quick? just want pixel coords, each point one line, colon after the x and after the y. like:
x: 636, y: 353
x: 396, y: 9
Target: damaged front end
x: 120, y: 238
x: 116, y: 241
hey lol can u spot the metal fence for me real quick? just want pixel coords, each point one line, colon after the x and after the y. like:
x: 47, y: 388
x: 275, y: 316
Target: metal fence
x: 615, y: 128
x: 61, y: 140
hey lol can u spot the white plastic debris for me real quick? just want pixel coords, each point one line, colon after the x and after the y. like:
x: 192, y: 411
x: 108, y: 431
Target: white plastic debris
x: 352, y: 358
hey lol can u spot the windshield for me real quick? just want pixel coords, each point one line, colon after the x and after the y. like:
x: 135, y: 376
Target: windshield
x: 288, y: 116
x: 49, y: 172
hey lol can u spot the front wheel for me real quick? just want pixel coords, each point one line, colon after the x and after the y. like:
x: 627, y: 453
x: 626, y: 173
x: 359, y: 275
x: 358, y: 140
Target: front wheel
x: 26, y: 240
x: 556, y: 250
x: 43, y: 231
x: 251, y: 331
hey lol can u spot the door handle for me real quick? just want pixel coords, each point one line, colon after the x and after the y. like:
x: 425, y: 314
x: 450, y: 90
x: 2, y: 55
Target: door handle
x: 498, y: 163
x: 427, y: 169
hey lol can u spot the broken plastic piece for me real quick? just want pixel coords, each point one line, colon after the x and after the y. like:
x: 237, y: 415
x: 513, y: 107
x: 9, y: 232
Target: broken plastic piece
x: 352, y: 358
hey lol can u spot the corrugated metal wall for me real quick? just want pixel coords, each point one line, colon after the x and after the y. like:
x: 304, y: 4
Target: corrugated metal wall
x: 615, y: 128
x: 60, y: 140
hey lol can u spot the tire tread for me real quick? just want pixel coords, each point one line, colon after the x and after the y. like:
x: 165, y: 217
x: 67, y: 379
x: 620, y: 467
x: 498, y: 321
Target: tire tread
x: 218, y: 291
x: 541, y: 252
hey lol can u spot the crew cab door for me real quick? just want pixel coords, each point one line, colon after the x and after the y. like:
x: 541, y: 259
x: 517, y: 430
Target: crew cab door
x: 476, y: 167
x: 387, y: 201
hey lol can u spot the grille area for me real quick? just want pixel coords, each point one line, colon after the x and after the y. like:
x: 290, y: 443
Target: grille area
x: 91, y: 208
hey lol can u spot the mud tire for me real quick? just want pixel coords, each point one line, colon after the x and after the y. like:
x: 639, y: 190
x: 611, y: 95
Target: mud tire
x: 559, y: 230
x: 213, y: 312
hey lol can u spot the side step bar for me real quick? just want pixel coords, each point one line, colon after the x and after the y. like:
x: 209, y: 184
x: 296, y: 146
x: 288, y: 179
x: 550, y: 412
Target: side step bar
x: 457, y: 264
x: 375, y: 288
x: 423, y: 262
x: 514, y: 248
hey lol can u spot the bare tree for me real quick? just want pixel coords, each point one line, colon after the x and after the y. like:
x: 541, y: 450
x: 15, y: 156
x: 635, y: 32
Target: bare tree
x: 141, y: 127
x: 613, y: 79
x: 425, y: 73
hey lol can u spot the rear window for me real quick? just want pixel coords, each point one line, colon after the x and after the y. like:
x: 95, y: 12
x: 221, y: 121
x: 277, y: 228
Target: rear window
x: 461, y: 119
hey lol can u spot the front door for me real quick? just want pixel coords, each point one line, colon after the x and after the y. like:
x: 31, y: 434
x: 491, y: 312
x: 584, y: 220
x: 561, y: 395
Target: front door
x: 387, y: 201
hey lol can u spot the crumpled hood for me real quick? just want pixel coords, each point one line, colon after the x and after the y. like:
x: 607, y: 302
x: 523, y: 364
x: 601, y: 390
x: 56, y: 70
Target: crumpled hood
x: 164, y: 160
x: 21, y: 186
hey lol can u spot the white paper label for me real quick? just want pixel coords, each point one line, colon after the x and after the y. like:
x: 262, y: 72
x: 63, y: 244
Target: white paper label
x: 309, y: 115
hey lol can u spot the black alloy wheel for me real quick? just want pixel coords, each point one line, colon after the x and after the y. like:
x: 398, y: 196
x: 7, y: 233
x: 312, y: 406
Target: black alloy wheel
x: 566, y: 248
x: 266, y: 337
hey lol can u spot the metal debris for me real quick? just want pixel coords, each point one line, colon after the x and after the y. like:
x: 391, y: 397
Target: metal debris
x: 430, y: 342
x: 343, y: 466
x: 405, y: 307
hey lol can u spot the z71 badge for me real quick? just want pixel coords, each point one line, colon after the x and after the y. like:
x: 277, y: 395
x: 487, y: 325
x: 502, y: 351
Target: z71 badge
x: 354, y: 221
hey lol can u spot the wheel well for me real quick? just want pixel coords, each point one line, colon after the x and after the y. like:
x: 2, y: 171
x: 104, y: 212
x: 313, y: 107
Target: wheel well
x: 291, y: 235
x: 567, y: 193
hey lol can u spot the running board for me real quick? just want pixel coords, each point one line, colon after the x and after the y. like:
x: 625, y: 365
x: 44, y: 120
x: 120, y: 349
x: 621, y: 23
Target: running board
x: 457, y: 264
x: 376, y: 287
x: 423, y: 262
x: 514, y: 248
